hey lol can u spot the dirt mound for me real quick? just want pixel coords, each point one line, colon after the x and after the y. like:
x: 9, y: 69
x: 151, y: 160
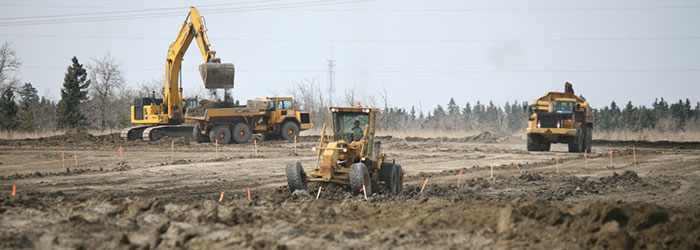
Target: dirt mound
x: 297, y: 222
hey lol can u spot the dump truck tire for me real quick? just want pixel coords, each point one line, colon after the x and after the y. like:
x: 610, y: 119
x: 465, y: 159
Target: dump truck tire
x: 198, y: 136
x: 537, y: 143
x: 296, y: 178
x: 576, y: 145
x: 289, y: 130
x: 241, y: 133
x: 390, y: 177
x: 589, y: 138
x: 220, y: 133
x: 359, y: 176
x: 399, y: 176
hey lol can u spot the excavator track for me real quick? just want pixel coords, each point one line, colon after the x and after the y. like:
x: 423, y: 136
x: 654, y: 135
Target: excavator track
x: 155, y: 133
x: 133, y: 133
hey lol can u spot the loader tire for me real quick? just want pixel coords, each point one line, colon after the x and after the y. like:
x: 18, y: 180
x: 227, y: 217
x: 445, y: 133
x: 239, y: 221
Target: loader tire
x: 399, y: 177
x: 198, y: 136
x: 391, y: 178
x: 359, y: 176
x: 289, y: 130
x: 241, y: 133
x: 576, y: 145
x: 220, y: 133
x: 296, y: 178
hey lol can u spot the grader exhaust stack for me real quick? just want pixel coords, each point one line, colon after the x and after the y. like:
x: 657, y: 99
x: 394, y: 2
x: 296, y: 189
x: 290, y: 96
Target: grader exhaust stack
x: 217, y: 75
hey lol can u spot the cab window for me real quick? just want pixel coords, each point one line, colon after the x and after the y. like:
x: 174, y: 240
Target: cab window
x: 284, y: 104
x: 565, y: 107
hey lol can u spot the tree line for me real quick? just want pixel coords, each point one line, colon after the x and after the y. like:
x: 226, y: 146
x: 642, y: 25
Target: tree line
x: 511, y: 117
x: 95, y: 96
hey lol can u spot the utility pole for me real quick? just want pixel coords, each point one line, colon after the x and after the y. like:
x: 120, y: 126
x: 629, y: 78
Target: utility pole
x: 331, y: 84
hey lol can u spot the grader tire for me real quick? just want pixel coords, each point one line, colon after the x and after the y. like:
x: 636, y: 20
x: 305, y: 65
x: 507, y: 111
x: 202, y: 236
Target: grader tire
x: 391, y: 178
x: 385, y: 170
x: 359, y: 176
x: 399, y: 177
x: 198, y: 136
x: 296, y: 178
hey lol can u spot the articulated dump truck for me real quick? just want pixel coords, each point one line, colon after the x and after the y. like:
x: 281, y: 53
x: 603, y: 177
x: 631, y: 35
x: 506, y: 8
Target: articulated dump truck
x: 272, y: 118
x: 560, y: 117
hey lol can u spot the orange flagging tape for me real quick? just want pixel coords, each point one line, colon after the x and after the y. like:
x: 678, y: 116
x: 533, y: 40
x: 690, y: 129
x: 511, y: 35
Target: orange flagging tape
x: 120, y: 149
x: 14, y: 190
x: 249, y: 194
x: 221, y: 198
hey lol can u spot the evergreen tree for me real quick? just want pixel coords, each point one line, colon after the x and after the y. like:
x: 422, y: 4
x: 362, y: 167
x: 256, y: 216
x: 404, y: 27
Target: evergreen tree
x: 467, y: 109
x: 8, y: 110
x: 452, y: 108
x: 28, y: 108
x: 74, y: 91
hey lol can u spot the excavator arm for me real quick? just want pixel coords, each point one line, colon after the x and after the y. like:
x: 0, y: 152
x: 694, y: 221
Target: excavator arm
x: 214, y: 73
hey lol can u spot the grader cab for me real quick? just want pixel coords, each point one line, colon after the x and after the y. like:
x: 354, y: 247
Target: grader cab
x: 350, y: 155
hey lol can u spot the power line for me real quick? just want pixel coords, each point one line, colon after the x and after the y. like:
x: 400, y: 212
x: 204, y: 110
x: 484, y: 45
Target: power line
x: 177, y: 10
x: 367, y: 40
x: 179, y: 13
x: 424, y: 71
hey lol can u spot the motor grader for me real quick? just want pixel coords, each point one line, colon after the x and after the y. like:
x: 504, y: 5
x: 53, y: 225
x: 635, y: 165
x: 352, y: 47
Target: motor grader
x: 350, y: 155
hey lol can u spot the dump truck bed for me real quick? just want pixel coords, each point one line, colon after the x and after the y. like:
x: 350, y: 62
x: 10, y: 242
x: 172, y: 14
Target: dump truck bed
x: 215, y: 114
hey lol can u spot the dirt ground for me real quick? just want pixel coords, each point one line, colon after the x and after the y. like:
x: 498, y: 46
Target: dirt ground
x: 157, y: 197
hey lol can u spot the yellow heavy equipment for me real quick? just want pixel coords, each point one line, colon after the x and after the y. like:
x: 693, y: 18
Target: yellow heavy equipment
x: 560, y: 117
x: 272, y: 117
x: 350, y: 156
x: 157, y: 118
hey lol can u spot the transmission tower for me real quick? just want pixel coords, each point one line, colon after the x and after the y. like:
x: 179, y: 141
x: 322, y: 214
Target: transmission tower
x: 331, y: 84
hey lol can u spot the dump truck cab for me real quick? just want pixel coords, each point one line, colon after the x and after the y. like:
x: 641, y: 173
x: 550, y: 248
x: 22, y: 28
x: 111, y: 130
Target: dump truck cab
x: 350, y: 155
x: 281, y: 110
x: 559, y: 117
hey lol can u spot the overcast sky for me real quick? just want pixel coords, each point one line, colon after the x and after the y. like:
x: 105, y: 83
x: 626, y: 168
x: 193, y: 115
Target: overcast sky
x: 420, y: 51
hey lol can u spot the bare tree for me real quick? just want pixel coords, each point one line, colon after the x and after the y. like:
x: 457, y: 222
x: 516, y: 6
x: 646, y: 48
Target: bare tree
x: 309, y: 96
x: 385, y: 97
x: 107, y: 92
x: 147, y: 88
x: 9, y: 65
x: 349, y: 98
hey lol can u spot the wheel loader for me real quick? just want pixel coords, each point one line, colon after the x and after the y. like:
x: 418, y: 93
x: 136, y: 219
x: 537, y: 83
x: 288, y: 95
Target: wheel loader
x: 350, y: 155
x: 560, y: 117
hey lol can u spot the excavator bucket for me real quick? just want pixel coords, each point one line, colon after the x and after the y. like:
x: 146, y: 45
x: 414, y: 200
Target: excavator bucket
x: 217, y: 75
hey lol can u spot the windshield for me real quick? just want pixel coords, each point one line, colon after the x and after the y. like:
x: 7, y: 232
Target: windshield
x: 349, y: 126
x: 565, y: 107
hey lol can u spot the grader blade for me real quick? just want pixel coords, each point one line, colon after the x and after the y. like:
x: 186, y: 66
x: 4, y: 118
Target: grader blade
x: 217, y: 75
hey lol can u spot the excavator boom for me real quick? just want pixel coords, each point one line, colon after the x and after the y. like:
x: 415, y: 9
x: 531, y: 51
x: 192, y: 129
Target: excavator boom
x: 165, y: 117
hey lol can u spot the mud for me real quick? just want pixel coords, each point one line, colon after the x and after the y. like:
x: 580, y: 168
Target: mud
x: 155, y: 198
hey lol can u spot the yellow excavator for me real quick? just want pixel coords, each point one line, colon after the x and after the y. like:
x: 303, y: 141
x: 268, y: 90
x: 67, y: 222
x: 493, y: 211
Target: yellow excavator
x: 157, y: 118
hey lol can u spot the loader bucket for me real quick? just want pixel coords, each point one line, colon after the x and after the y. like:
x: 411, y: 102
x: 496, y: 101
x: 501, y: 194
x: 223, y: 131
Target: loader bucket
x: 217, y: 75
